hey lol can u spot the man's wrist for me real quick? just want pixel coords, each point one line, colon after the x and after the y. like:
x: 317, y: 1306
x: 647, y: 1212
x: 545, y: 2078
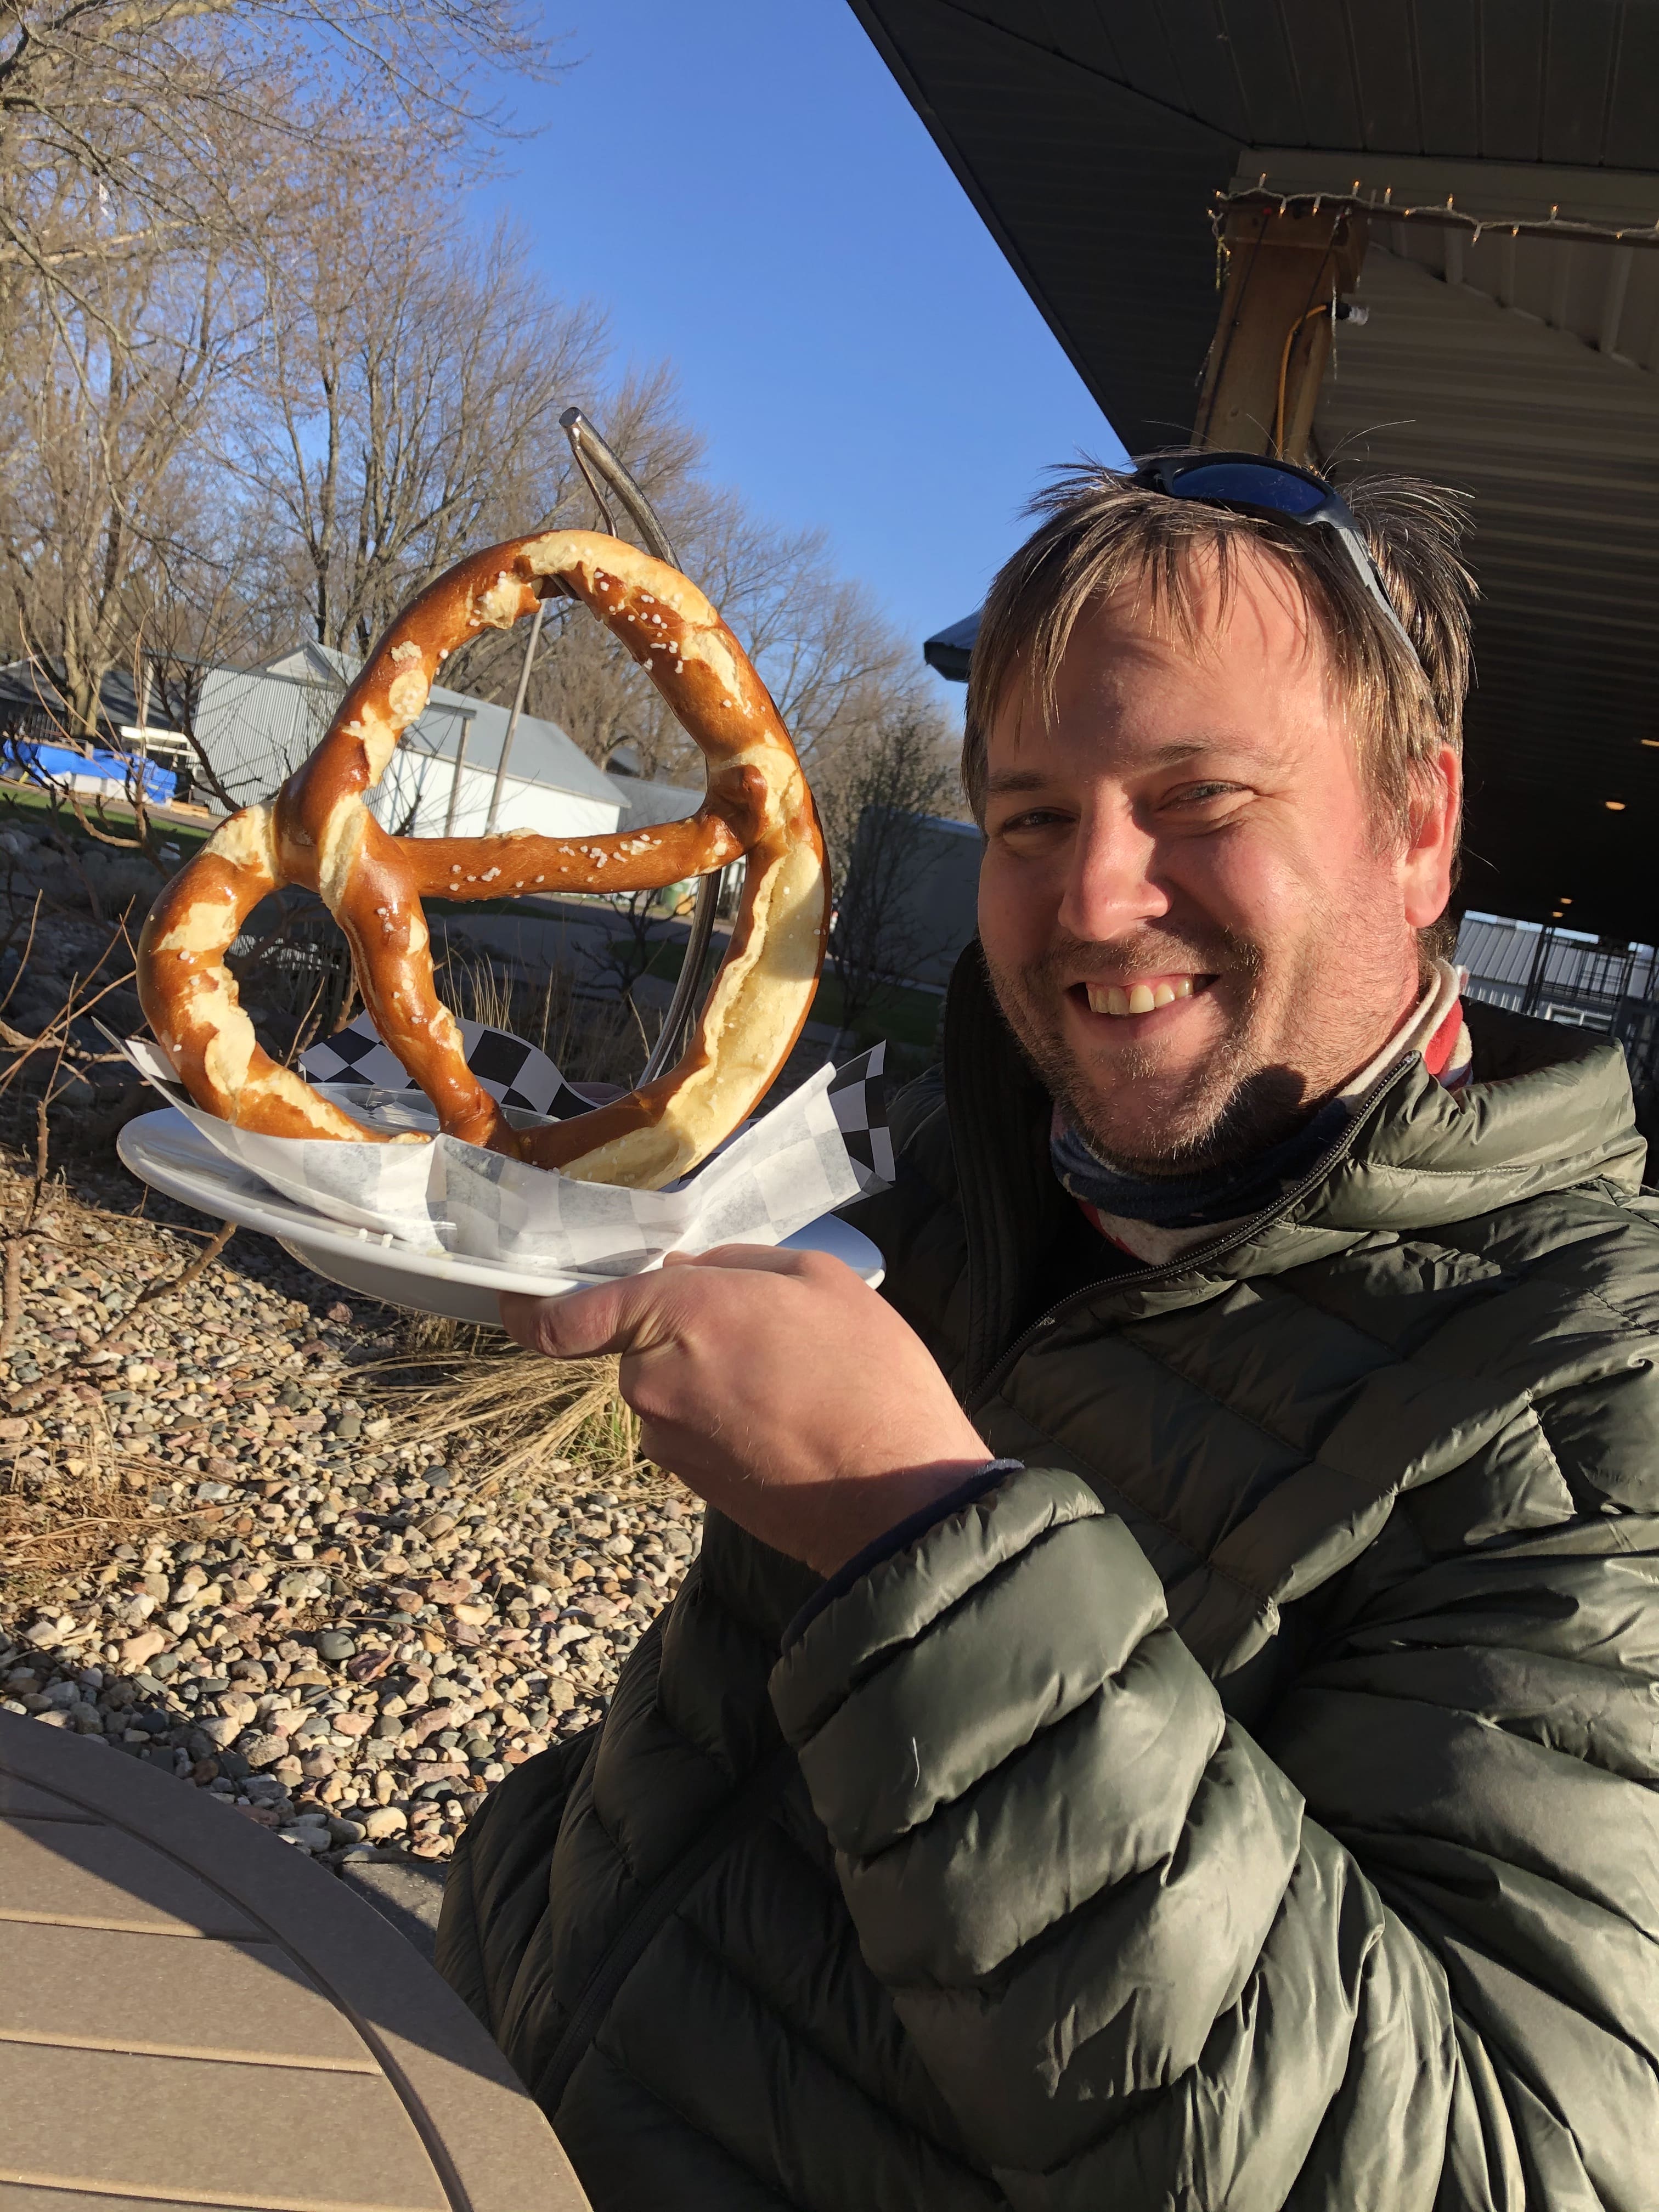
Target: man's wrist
x: 866, y: 1510
x: 958, y: 1483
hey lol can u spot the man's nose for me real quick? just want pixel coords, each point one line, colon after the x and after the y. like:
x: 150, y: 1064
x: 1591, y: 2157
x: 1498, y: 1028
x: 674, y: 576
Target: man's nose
x: 1111, y: 882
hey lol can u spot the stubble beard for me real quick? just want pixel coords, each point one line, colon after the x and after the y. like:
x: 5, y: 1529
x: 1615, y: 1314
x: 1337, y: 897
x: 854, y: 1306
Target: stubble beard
x: 1234, y: 1104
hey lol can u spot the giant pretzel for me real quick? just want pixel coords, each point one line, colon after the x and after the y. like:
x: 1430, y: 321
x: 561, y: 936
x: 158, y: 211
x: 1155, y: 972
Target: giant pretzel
x: 319, y: 832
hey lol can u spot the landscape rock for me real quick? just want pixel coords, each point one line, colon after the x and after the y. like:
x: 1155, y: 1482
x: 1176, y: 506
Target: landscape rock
x: 409, y: 1892
x: 350, y: 1638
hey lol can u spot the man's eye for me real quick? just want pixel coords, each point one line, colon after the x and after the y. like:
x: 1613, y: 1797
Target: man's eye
x: 1035, y: 818
x: 1203, y: 794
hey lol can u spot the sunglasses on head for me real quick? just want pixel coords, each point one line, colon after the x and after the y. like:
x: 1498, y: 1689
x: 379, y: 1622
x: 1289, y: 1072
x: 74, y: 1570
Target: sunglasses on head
x: 1246, y: 483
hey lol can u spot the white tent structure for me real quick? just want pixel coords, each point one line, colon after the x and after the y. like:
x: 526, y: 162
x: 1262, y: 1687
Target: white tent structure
x: 256, y: 726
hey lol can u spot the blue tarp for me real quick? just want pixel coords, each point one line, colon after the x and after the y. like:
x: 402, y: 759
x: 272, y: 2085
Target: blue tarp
x: 57, y: 763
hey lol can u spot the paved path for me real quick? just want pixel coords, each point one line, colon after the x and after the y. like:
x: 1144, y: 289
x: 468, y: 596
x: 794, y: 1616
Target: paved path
x: 193, y: 2015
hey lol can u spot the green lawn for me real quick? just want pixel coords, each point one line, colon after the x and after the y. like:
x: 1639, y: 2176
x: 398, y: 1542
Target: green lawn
x: 26, y: 803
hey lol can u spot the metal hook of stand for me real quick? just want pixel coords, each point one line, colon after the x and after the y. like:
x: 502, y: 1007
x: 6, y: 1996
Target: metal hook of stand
x: 600, y: 467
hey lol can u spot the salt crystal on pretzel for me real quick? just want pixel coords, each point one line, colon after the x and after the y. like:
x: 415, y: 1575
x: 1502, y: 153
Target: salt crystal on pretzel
x: 319, y: 833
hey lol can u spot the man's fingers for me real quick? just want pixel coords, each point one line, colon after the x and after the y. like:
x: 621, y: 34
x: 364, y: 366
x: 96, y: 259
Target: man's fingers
x: 642, y: 1313
x: 630, y: 1316
x: 757, y: 1258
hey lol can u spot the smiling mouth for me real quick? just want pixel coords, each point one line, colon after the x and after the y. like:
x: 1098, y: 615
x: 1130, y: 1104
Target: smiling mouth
x: 1145, y: 995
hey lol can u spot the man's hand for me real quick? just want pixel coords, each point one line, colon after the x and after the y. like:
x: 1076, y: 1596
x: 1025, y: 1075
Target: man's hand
x: 778, y: 1386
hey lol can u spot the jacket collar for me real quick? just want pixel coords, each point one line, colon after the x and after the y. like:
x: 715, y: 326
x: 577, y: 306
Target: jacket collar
x: 1548, y: 1108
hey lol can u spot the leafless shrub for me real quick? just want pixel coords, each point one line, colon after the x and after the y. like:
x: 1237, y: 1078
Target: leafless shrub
x: 46, y: 1071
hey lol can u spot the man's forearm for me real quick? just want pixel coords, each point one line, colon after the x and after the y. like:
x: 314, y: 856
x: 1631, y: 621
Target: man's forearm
x: 1080, y: 1883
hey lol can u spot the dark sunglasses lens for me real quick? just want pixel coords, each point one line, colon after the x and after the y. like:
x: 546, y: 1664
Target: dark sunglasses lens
x: 1245, y: 483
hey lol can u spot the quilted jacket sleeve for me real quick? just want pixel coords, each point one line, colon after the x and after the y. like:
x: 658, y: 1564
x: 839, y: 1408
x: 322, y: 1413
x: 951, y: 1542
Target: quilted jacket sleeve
x: 1138, y: 1968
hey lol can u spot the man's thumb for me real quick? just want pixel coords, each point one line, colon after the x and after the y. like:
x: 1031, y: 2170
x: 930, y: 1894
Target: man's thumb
x: 579, y: 1324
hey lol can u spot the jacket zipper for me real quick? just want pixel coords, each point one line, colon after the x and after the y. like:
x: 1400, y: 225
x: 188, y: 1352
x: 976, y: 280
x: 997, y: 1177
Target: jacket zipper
x: 1194, y: 1262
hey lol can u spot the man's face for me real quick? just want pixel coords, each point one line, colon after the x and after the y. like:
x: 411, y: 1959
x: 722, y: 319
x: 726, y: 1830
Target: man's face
x: 1194, y: 918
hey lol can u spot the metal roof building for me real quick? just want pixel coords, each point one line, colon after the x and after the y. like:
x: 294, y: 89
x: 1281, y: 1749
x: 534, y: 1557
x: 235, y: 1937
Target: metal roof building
x: 33, y: 705
x: 256, y: 726
x: 1492, y: 172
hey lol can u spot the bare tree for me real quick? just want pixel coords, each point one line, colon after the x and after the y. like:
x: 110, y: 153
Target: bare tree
x: 135, y: 100
x: 256, y: 377
x: 403, y: 403
x: 870, y: 798
x: 150, y: 151
x: 105, y: 406
x: 834, y: 665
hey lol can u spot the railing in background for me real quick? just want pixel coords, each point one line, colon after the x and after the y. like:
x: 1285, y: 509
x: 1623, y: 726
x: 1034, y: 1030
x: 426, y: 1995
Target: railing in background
x: 1562, y: 976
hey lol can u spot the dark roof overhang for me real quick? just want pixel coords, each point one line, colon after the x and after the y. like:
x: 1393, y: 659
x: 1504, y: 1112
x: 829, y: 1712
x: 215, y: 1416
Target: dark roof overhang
x: 1511, y: 348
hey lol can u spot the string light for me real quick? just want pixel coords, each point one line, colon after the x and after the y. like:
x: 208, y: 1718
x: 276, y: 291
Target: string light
x: 1613, y: 806
x: 1444, y: 214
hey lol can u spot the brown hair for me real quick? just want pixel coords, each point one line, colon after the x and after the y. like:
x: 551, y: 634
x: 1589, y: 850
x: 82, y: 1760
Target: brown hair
x: 1101, y: 532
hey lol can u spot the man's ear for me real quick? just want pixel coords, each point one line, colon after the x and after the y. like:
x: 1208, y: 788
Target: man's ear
x: 1429, y: 858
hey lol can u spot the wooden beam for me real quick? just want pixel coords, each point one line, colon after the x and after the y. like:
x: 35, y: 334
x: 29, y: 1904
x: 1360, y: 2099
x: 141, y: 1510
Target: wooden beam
x: 1273, y: 337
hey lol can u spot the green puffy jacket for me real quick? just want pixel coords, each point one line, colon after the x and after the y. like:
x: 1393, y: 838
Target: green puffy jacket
x: 1251, y: 1803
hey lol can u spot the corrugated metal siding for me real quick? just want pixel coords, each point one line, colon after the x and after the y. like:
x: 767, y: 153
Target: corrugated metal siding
x: 256, y: 729
x: 1090, y: 134
x: 256, y: 725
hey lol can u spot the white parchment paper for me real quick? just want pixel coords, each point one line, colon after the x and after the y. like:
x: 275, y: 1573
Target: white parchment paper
x: 824, y: 1144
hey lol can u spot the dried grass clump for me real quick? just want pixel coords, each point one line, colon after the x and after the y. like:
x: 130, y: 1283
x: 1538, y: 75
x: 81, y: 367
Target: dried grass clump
x: 68, y: 1494
x: 60, y: 1519
x: 590, y: 1037
x: 531, y: 1417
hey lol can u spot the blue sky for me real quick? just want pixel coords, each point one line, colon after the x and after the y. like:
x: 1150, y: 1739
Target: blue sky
x: 746, y: 190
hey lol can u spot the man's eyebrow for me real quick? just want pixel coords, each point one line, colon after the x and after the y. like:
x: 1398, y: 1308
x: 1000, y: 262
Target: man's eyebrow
x: 1171, y: 756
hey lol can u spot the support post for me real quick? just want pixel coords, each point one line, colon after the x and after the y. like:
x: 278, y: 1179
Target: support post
x: 455, y: 780
x: 1537, y: 979
x: 1285, y: 274
x: 512, y: 719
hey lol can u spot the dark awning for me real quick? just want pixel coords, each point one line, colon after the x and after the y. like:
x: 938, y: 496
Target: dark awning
x: 1519, y: 362
x: 947, y: 651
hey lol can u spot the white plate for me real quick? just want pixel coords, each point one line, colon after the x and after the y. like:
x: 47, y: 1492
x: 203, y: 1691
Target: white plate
x: 164, y: 1149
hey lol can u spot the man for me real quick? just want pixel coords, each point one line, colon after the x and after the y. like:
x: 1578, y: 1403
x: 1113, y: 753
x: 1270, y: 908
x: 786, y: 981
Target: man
x: 1240, y: 1789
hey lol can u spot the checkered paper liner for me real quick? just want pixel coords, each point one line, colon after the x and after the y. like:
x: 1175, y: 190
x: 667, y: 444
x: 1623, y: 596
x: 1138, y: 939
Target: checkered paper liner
x: 513, y: 1072
x: 824, y: 1145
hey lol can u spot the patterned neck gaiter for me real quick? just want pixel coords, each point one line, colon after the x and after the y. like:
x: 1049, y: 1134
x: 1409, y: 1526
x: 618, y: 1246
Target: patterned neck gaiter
x: 1157, y: 1219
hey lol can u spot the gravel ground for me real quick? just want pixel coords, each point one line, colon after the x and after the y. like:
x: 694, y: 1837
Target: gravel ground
x: 339, y: 1633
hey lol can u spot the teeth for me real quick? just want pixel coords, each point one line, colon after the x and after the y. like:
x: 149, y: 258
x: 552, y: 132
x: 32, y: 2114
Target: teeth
x: 1139, y: 998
